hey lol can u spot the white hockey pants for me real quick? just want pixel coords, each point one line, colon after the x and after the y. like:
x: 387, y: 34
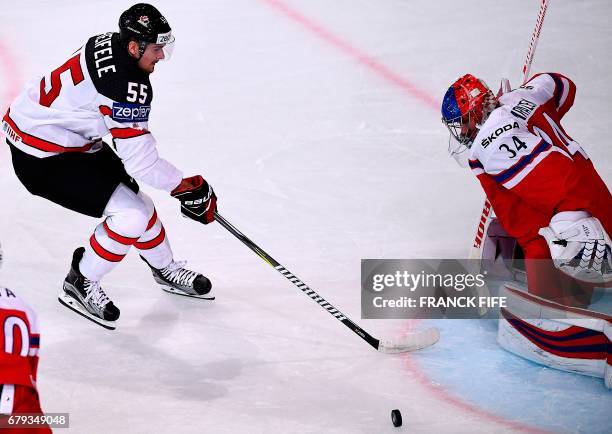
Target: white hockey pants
x: 131, y: 219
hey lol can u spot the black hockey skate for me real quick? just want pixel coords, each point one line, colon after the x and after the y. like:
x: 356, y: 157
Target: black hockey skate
x: 176, y: 279
x: 86, y: 297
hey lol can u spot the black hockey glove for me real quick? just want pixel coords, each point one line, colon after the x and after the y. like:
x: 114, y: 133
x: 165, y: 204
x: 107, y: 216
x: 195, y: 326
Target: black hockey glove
x: 198, y: 200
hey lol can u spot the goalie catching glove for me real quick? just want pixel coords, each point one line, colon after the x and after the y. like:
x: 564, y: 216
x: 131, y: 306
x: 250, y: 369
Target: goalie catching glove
x: 198, y: 200
x: 579, y: 246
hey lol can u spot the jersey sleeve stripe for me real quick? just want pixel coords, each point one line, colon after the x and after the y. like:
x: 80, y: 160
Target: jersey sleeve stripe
x: 34, y: 341
x: 39, y: 143
x: 561, y: 90
x: 567, y: 98
x: 476, y: 167
x: 106, y: 110
x: 102, y: 252
x: 475, y: 164
x: 127, y: 133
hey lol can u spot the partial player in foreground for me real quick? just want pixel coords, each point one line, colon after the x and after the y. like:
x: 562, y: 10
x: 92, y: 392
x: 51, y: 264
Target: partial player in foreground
x: 548, y: 197
x: 20, y: 339
x: 55, y: 128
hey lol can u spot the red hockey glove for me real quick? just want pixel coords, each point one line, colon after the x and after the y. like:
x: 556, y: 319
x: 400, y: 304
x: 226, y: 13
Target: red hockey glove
x: 198, y: 200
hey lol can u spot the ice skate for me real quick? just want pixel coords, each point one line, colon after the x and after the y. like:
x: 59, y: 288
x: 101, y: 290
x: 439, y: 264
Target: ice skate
x: 86, y: 297
x: 176, y: 279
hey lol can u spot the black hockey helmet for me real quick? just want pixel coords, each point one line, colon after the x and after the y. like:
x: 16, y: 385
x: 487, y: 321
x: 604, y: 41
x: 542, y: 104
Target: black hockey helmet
x: 145, y: 24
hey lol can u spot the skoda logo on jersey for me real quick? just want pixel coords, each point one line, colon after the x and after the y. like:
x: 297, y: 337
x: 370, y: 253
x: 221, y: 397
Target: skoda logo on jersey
x: 495, y: 134
x: 126, y: 112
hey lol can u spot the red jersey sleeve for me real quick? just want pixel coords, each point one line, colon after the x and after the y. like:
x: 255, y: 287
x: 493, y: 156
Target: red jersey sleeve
x: 563, y: 91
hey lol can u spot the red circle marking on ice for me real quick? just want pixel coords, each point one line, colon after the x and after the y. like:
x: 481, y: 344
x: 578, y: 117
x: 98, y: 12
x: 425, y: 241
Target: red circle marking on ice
x: 443, y: 395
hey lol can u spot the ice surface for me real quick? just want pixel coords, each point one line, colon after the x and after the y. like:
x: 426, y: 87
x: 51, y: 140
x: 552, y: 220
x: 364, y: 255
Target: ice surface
x: 322, y: 157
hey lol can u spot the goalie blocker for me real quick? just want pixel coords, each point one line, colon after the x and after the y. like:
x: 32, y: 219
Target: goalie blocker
x: 554, y: 335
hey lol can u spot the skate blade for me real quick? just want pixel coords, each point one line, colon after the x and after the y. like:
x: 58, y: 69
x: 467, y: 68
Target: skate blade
x: 74, y: 305
x: 172, y: 290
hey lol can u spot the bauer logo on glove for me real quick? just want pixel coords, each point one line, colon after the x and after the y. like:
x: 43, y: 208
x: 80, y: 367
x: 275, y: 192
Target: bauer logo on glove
x: 198, y: 200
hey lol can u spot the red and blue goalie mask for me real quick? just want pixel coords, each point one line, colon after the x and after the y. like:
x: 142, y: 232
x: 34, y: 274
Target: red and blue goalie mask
x: 464, y: 108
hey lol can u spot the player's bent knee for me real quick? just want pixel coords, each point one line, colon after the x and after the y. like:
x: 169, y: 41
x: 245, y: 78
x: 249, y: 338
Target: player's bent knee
x: 128, y: 211
x: 135, y: 219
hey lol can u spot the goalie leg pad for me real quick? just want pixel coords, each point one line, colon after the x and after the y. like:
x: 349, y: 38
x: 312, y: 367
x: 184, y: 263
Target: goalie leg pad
x: 608, y: 371
x: 561, y: 337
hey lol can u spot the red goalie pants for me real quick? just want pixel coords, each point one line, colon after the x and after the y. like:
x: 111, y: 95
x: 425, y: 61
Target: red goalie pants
x: 18, y: 399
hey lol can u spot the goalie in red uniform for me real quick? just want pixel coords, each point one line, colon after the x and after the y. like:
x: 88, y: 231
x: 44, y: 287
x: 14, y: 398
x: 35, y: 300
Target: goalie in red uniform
x: 542, y: 185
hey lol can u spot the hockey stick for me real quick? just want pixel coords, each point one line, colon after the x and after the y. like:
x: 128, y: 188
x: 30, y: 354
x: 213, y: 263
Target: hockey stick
x: 487, y: 214
x: 411, y: 342
x: 534, y: 40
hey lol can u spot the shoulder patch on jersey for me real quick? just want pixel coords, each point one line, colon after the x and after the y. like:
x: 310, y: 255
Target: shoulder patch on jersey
x: 129, y: 112
x: 523, y: 109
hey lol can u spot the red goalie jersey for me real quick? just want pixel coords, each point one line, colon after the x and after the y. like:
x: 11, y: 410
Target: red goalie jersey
x: 19, y: 338
x: 19, y: 342
x: 530, y: 168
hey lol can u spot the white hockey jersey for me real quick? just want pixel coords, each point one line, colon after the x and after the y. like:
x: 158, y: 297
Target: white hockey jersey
x: 524, y: 130
x: 99, y: 90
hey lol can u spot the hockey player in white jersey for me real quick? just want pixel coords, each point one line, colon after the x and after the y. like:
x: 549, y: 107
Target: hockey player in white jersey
x: 55, y: 128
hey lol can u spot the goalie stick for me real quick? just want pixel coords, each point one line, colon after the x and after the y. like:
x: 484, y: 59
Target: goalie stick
x: 414, y: 341
x: 488, y: 214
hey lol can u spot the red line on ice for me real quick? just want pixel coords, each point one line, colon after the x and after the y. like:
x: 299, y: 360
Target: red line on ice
x: 362, y: 57
x: 11, y: 78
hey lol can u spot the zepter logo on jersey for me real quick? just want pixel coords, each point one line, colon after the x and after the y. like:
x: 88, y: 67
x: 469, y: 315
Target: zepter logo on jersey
x: 126, y: 112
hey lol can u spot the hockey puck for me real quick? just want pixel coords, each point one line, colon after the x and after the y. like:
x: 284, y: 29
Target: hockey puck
x: 396, y: 417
